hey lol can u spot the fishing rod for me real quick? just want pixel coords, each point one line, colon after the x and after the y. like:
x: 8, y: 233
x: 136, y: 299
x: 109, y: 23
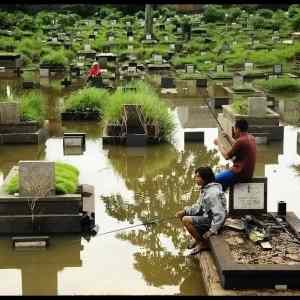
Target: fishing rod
x: 154, y: 221
x: 151, y: 222
x: 218, y: 122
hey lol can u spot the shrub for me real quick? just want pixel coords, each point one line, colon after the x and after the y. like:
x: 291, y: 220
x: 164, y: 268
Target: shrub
x: 55, y: 58
x: 233, y: 13
x: 153, y: 108
x: 264, y: 57
x: 214, y: 13
x: 240, y: 105
x: 87, y: 99
x: 284, y: 84
x: 296, y: 22
x: 265, y: 13
x: 66, y: 180
x: 31, y: 48
x: 32, y: 106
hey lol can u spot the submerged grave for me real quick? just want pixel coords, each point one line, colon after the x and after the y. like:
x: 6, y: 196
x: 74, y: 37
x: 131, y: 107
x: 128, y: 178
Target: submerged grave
x: 10, y: 64
x: 15, y: 131
x: 37, y: 207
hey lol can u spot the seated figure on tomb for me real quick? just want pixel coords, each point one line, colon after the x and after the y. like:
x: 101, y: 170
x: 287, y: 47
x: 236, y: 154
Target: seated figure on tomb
x: 94, y: 75
x: 242, y: 153
x: 207, y: 216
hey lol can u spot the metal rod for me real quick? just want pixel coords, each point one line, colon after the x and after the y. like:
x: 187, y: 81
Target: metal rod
x: 216, y: 118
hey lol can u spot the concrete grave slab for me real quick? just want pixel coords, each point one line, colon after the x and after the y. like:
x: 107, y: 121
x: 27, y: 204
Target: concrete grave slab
x: 257, y: 106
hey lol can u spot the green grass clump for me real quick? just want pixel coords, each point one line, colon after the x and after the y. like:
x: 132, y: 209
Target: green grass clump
x: 66, y: 180
x: 55, y: 58
x: 87, y: 99
x: 240, y: 105
x: 32, y: 106
x: 13, y: 185
x: 284, y: 84
x: 153, y: 108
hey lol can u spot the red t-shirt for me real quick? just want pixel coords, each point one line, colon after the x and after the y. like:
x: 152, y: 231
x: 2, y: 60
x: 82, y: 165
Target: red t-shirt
x: 244, y: 151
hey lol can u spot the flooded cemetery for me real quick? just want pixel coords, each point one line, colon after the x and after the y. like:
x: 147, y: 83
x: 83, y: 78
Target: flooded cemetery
x: 106, y: 111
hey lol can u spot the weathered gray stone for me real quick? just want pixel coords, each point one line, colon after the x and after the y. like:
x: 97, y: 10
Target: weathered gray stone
x: 9, y: 113
x: 237, y: 80
x: 298, y: 138
x: 36, y: 178
x: 257, y: 106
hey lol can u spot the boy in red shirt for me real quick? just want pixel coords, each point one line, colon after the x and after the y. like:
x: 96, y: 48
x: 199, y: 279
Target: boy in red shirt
x: 243, y: 154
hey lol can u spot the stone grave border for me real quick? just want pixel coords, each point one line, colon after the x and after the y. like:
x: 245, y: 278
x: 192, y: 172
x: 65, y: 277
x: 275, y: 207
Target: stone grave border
x: 244, y: 276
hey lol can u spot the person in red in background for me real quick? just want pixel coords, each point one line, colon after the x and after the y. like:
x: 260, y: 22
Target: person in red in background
x: 94, y: 74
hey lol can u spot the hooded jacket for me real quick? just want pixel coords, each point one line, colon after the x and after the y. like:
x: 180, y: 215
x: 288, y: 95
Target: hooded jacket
x: 211, y: 203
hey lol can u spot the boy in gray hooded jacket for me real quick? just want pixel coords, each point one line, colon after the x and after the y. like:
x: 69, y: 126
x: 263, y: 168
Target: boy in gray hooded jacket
x: 207, y: 216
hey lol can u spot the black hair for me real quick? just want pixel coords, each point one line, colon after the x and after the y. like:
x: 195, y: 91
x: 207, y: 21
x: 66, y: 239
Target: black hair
x: 206, y: 173
x: 242, y: 125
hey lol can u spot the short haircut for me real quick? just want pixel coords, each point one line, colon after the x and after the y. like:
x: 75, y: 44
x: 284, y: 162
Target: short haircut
x: 242, y: 125
x: 206, y: 173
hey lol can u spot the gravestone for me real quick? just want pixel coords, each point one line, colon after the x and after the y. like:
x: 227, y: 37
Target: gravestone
x: 166, y: 38
x: 36, y: 178
x: 172, y: 46
x: 167, y: 83
x: 148, y: 20
x: 248, y: 67
x: 148, y: 37
x: 44, y: 72
x: 257, y: 106
x: 179, y: 30
x: 189, y: 68
x: 238, y: 80
x: 9, y: 113
x: 270, y: 77
x: 87, y: 47
x: 130, y: 47
x: 248, y: 197
x: 128, y: 23
x: 131, y: 69
x: 110, y: 38
x: 157, y: 59
x: 220, y: 68
x: 130, y: 38
x: 277, y: 69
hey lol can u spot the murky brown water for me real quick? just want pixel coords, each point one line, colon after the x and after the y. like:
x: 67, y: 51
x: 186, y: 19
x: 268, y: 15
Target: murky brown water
x: 133, y: 185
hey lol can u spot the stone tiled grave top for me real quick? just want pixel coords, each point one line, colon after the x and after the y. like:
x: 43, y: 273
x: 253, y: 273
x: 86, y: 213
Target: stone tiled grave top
x: 245, y: 251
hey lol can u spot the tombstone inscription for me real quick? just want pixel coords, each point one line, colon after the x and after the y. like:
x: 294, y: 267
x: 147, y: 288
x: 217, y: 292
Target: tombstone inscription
x: 36, y: 178
x: 277, y: 69
x: 248, y: 197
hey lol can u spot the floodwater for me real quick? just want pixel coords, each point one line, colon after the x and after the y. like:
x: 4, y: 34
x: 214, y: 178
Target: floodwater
x: 133, y: 186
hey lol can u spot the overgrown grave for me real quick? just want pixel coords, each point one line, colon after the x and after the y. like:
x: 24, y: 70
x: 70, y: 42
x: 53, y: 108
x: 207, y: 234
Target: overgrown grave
x: 15, y: 131
x: 132, y: 129
x: 40, y: 202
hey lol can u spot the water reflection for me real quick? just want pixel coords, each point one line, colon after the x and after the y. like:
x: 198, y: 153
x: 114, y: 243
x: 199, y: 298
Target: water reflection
x: 40, y: 267
x: 162, y: 191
